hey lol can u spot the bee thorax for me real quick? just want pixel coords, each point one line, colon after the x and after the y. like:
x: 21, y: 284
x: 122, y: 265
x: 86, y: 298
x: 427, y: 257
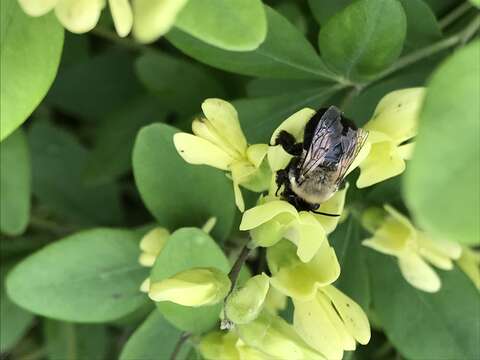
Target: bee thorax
x: 313, y: 189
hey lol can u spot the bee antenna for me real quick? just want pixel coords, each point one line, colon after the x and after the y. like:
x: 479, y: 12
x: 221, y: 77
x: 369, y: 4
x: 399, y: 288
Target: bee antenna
x: 325, y: 214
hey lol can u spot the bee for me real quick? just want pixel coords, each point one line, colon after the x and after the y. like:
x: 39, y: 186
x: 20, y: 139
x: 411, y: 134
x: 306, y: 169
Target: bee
x: 319, y: 164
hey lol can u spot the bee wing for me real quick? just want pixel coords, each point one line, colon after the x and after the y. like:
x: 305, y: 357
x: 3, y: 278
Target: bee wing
x: 352, y: 142
x: 325, y: 137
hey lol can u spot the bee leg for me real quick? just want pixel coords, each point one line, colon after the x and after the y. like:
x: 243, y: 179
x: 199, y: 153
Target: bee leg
x: 287, y: 141
x: 324, y: 214
x: 281, y: 178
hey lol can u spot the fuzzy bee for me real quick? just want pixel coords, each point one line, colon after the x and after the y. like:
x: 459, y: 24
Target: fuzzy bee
x: 319, y: 164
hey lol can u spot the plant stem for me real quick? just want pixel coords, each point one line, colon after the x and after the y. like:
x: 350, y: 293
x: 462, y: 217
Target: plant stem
x: 181, y: 340
x: 456, y: 13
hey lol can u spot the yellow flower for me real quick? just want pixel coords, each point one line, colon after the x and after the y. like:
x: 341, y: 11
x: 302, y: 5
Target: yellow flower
x: 220, y: 142
x: 469, y: 262
x: 195, y: 287
x: 393, y: 124
x: 275, y: 337
x: 331, y: 322
x: 414, y: 249
x: 244, y: 304
x: 152, y: 244
x: 274, y: 219
x: 152, y: 18
x: 275, y: 301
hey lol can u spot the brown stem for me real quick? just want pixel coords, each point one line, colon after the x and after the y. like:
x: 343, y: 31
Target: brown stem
x: 181, y: 340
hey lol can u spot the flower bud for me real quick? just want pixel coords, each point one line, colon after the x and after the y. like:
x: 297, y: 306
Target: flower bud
x: 194, y: 287
x: 151, y: 245
x: 244, y: 304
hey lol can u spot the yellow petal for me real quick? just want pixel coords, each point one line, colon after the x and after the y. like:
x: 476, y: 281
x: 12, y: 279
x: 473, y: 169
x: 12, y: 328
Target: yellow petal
x: 275, y: 300
x: 79, y: 16
x: 295, y: 124
x: 219, y: 345
x: 354, y: 318
x: 334, y: 205
x: 122, y: 16
x: 237, y: 192
x: 256, y: 154
x: 196, y: 150
x: 260, y: 214
x: 439, y: 253
x: 153, y: 19
x: 224, y: 119
x: 418, y: 273
x: 244, y: 304
x: 205, y: 130
x: 145, y: 287
x: 308, y: 234
x: 312, y: 323
x: 37, y: 7
x: 406, y: 151
x: 146, y: 259
x: 361, y: 156
x: 195, y: 287
x: 469, y: 262
x: 397, y: 114
x: 154, y: 241
x: 278, y: 158
x: 383, y: 162
x: 248, y: 353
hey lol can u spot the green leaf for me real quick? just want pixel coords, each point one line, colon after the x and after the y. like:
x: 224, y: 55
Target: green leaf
x: 353, y: 280
x: 422, y: 25
x: 31, y: 50
x: 442, y: 326
x: 180, y: 85
x: 441, y: 182
x: 271, y: 87
x: 364, y: 38
x: 14, y: 184
x: 91, y: 276
x: 185, y: 249
x: 285, y: 53
x: 58, y: 162
x: 323, y: 10
x: 177, y: 193
x: 242, y: 23
x: 14, y: 321
x: 144, y: 342
x: 261, y: 116
x: 74, y: 341
x: 111, y: 156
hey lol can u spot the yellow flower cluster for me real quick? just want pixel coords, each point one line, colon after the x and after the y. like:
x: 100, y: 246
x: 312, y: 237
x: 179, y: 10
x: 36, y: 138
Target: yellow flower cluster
x: 149, y: 19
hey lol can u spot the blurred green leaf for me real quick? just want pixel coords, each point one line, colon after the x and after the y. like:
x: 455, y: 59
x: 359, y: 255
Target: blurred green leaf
x: 94, y: 88
x: 364, y: 38
x: 442, y: 326
x: 14, y: 321
x: 442, y: 180
x: 185, y: 249
x: 293, y: 13
x: 323, y: 10
x: 31, y: 50
x: 91, y: 276
x: 177, y: 193
x: 422, y: 25
x: 58, y: 162
x: 271, y: 87
x: 285, y: 53
x: 180, y: 85
x: 242, y: 23
x: 144, y: 343
x: 67, y: 341
x: 111, y: 155
x: 353, y: 280
x: 440, y: 7
x: 14, y: 184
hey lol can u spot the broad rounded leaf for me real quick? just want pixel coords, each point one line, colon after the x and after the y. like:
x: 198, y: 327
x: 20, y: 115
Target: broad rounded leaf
x: 421, y: 325
x: 285, y: 53
x: 185, y: 249
x: 14, y: 184
x: 364, y: 38
x: 31, y: 50
x: 238, y: 25
x: 177, y: 193
x: 323, y: 10
x: 441, y: 182
x: 91, y: 276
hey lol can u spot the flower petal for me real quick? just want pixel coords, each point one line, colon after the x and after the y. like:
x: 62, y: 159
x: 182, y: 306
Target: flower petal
x: 37, y: 7
x: 256, y: 153
x: 383, y: 162
x: 195, y: 150
x: 260, y: 214
x: 153, y: 19
x: 437, y: 252
x: 146, y: 259
x: 354, y: 318
x: 406, y: 151
x: 308, y: 234
x: 334, y: 205
x: 154, y: 241
x: 418, y: 273
x: 219, y: 345
x: 397, y: 114
x: 295, y: 124
x: 224, y: 119
x: 122, y: 16
x: 79, y: 16
x: 145, y: 287
x: 205, y: 130
x: 470, y: 265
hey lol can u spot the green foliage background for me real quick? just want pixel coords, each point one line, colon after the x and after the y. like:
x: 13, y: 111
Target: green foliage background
x: 88, y: 165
